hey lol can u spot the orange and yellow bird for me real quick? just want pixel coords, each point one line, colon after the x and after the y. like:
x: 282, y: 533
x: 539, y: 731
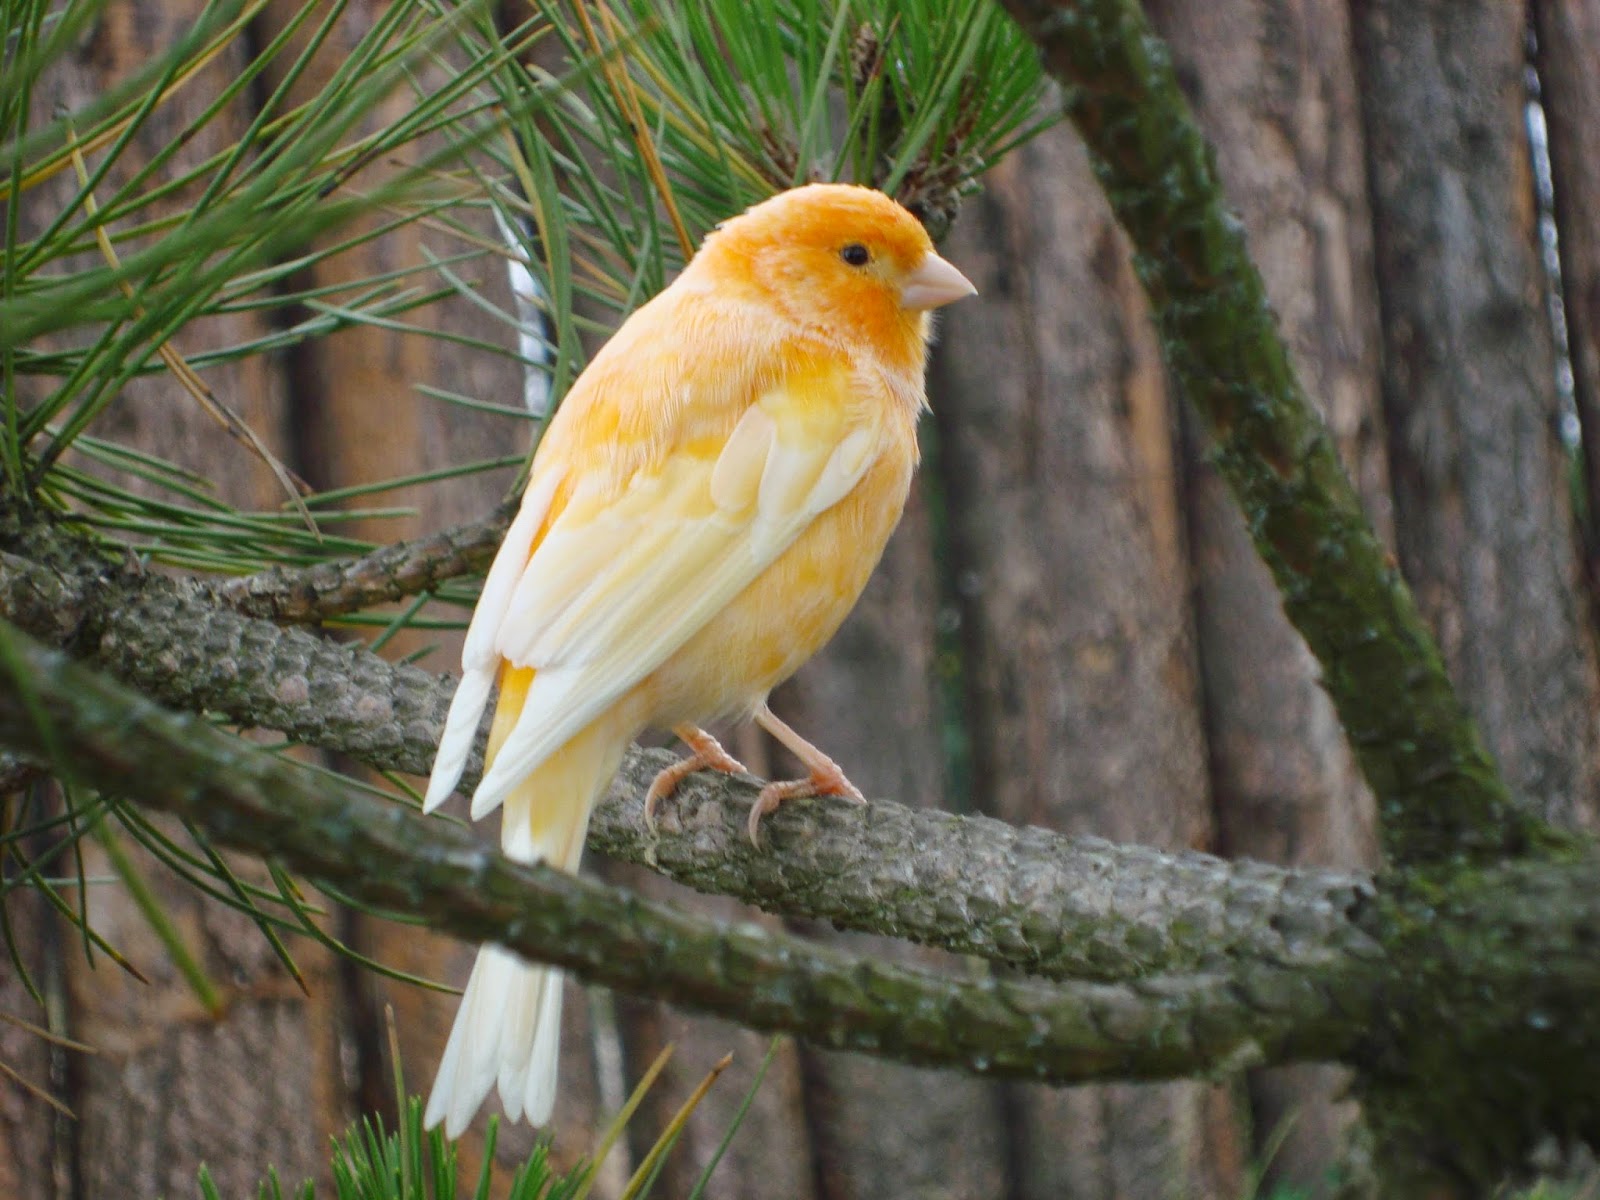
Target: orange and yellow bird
x: 702, y: 514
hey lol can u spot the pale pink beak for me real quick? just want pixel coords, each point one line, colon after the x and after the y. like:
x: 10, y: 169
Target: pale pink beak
x: 933, y: 283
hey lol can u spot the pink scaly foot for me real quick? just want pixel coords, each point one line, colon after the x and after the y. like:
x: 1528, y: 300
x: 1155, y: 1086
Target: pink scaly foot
x: 824, y: 778
x: 706, y: 754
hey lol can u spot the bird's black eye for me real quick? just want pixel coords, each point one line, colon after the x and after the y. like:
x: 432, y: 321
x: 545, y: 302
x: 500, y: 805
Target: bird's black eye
x: 856, y: 254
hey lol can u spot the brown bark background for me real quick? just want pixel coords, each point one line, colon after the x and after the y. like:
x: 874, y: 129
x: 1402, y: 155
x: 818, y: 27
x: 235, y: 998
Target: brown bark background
x: 1070, y: 613
x: 1568, y: 31
x: 1080, y: 683
x: 1485, y: 528
x: 1274, y: 88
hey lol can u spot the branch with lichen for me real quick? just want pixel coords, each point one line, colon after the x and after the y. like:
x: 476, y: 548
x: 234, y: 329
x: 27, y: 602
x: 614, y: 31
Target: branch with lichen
x: 1173, y: 965
x: 100, y: 734
x: 1499, y: 964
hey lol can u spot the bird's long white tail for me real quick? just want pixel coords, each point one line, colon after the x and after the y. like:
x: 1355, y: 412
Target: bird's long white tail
x: 508, y: 1028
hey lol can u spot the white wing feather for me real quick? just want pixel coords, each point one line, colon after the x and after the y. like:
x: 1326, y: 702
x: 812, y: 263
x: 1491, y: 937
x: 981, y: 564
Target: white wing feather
x: 478, y: 660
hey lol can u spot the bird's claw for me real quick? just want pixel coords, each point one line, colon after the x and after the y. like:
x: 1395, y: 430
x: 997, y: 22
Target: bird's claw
x: 706, y: 754
x: 826, y: 779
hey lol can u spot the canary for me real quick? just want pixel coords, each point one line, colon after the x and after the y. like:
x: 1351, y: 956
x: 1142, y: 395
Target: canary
x: 702, y: 513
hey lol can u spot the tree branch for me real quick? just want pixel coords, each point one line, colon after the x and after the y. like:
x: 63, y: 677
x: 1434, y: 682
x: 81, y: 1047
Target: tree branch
x: 104, y: 736
x: 1058, y: 907
x: 1494, y: 967
x: 305, y: 595
x: 1439, y: 795
x: 169, y: 639
x: 1030, y: 899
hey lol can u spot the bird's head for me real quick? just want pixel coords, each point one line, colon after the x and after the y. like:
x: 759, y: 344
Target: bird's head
x: 844, y: 260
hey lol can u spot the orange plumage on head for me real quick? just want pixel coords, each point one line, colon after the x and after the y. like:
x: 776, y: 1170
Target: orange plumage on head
x: 702, y: 514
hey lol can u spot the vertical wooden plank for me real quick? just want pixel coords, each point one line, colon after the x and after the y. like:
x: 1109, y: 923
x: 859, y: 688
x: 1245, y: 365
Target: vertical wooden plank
x: 1485, y: 529
x: 1569, y: 72
x: 173, y: 1086
x: 1274, y: 87
x: 1083, y: 696
x: 771, y: 1153
x: 185, y: 1089
x: 30, y: 1130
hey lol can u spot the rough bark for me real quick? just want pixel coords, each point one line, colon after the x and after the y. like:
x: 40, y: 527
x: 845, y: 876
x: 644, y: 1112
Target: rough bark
x: 1273, y: 86
x: 1485, y: 527
x: 1569, y: 72
x: 1490, y: 966
x: 1471, y: 942
x: 1154, y: 1028
x: 395, y: 571
x: 1057, y: 456
x: 1085, y: 909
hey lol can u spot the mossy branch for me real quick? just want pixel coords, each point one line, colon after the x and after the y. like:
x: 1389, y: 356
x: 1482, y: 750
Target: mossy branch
x: 103, y: 735
x: 1439, y: 794
x: 1027, y: 899
x: 1205, y: 966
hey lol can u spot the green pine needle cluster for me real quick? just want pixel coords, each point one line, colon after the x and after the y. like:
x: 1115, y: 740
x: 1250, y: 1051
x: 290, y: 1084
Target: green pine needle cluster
x: 647, y: 123
x: 411, y: 1163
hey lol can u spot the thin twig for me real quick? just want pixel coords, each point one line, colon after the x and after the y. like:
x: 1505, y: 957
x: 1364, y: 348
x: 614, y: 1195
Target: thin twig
x: 306, y: 595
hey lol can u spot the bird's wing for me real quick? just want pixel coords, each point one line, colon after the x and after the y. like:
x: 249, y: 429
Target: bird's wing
x: 478, y: 659
x: 624, y: 577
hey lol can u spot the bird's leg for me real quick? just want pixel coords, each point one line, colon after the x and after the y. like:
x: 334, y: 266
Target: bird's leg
x: 824, y: 778
x: 706, y: 754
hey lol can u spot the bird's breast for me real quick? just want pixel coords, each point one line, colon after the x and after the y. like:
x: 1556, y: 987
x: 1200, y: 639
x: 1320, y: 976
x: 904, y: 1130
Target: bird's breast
x: 791, y: 610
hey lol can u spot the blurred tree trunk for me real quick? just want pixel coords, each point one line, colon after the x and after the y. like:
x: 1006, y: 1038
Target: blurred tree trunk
x: 1058, y: 473
x: 1483, y: 516
x: 1569, y: 70
x: 35, y: 1151
x: 1274, y: 87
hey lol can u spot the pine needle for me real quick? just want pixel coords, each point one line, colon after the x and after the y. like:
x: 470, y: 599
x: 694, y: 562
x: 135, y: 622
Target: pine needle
x: 34, y: 1090
x: 231, y: 422
x: 647, y: 1171
x: 39, y: 1031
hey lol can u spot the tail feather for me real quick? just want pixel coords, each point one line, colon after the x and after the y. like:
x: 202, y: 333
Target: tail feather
x: 508, y: 1028
x: 528, y: 1062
